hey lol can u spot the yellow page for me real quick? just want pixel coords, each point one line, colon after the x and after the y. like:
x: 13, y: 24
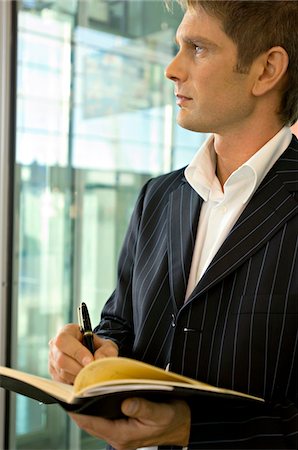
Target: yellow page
x: 118, y: 368
x: 122, y: 372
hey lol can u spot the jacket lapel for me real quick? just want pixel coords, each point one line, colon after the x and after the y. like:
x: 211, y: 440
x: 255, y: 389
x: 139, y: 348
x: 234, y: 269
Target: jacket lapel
x: 183, y: 216
x: 272, y: 205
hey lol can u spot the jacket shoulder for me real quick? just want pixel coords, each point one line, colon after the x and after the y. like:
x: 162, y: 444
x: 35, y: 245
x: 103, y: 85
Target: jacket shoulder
x: 167, y: 182
x: 175, y: 176
x: 286, y: 166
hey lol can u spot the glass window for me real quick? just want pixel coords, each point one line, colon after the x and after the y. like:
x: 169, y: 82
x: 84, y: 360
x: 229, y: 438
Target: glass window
x: 95, y: 120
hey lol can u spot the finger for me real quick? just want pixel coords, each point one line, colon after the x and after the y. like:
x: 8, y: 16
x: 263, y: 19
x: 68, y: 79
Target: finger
x: 67, y: 368
x: 68, y: 343
x: 104, y: 347
x: 61, y: 367
x: 152, y: 412
x: 140, y: 409
x: 167, y: 422
x: 59, y: 374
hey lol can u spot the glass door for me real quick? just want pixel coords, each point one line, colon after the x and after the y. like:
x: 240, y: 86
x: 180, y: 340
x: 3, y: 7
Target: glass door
x: 95, y: 119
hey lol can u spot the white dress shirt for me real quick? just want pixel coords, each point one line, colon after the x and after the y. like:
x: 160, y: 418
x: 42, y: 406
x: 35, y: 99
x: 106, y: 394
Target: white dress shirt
x: 222, y: 207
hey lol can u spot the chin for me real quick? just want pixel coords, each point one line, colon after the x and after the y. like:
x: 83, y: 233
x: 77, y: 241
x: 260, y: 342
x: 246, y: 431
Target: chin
x: 192, y: 123
x: 193, y: 126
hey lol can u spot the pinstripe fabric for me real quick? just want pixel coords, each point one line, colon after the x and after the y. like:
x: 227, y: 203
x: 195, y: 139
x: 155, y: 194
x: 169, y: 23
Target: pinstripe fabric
x: 238, y: 328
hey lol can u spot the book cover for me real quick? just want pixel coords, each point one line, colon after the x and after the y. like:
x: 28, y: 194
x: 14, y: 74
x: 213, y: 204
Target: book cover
x: 100, y: 387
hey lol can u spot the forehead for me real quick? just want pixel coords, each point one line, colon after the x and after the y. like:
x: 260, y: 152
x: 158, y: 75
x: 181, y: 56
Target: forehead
x: 197, y: 23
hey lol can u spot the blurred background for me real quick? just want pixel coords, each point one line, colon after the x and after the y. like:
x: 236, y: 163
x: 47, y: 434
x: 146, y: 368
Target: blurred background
x: 94, y: 120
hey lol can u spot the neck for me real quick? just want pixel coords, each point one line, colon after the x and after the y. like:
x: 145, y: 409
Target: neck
x: 235, y: 149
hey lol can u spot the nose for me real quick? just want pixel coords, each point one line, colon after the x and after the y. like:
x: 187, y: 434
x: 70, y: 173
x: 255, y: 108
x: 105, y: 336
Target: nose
x: 176, y: 70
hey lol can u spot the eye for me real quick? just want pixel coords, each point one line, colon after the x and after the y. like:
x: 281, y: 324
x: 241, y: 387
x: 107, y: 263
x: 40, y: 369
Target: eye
x: 198, y: 49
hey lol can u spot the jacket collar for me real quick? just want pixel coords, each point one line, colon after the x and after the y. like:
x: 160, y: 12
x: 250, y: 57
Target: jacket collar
x: 270, y: 207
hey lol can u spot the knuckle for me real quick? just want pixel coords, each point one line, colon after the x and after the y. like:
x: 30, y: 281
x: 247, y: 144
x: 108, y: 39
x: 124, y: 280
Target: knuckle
x: 79, y: 353
x: 67, y: 378
x: 71, y: 328
x: 111, y: 351
x: 51, y: 370
x: 64, y: 376
x: 50, y: 355
x: 58, y: 340
x: 63, y: 335
x: 60, y: 360
x: 110, y: 347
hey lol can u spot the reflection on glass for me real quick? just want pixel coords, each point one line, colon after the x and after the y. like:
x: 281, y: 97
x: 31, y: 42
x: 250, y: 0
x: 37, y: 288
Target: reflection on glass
x: 95, y: 120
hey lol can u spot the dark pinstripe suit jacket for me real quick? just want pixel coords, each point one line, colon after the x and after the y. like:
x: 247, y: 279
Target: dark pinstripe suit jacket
x: 239, y: 327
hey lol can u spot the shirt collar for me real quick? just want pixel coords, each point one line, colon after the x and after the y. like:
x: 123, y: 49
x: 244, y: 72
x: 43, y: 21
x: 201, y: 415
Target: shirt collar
x: 200, y: 173
x: 262, y: 161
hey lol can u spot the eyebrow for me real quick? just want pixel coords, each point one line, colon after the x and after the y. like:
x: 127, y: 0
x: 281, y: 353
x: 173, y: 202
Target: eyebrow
x: 194, y: 40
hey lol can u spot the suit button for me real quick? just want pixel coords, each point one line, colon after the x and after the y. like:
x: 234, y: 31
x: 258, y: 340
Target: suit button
x: 173, y: 322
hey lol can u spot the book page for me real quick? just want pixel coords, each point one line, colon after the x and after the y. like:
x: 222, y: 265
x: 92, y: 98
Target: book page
x: 118, y: 368
x: 116, y: 387
x: 113, y: 371
x: 154, y: 385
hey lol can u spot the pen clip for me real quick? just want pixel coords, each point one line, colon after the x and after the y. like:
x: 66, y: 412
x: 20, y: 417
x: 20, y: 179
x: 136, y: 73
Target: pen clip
x: 80, y: 319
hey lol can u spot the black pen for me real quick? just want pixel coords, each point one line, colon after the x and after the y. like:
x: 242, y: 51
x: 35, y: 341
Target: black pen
x: 85, y: 327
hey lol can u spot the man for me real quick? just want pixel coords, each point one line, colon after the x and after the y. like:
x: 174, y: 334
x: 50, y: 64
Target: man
x: 207, y: 277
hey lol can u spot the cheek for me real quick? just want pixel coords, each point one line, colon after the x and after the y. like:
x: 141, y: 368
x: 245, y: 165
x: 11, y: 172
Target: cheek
x: 209, y: 88
x: 225, y: 94
x: 217, y: 81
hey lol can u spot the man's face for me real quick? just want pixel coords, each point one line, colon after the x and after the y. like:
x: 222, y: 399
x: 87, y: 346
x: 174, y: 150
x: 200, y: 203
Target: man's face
x: 211, y: 95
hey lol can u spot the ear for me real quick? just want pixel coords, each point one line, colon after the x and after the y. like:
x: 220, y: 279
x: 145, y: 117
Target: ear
x: 271, y: 68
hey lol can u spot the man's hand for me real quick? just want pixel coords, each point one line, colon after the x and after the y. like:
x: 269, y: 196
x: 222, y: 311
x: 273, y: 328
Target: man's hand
x: 67, y: 354
x: 146, y: 424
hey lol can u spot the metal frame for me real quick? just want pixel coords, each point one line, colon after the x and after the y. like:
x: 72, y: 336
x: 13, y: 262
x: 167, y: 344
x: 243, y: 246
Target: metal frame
x: 6, y: 158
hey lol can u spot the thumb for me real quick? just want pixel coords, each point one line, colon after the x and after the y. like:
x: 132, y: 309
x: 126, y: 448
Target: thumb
x: 104, y: 347
x: 141, y: 409
x: 131, y: 407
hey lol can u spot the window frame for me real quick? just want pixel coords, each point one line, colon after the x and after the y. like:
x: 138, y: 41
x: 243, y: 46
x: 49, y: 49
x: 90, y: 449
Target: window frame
x: 8, y: 26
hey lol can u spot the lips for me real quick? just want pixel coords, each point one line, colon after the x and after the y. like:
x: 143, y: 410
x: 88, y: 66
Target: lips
x: 181, y: 99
